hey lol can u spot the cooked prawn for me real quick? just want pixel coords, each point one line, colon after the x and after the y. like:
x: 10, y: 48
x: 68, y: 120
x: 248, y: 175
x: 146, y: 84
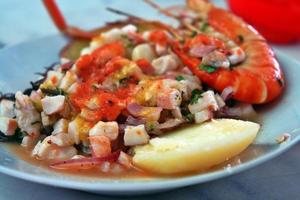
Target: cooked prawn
x: 259, y: 78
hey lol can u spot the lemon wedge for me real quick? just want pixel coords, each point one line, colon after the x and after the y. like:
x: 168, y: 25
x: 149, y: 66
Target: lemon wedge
x: 196, y: 148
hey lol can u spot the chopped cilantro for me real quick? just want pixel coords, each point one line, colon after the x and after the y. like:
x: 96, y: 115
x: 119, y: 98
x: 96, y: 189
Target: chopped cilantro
x: 240, y: 38
x: 53, y: 92
x: 179, y: 78
x: 196, y: 94
x: 204, y: 26
x: 187, y: 114
x: 190, y: 117
x: 127, y: 42
x: 151, y: 127
x: 208, y: 68
x: 193, y: 34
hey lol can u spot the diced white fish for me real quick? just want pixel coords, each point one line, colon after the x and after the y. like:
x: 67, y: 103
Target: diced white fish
x: 203, y: 116
x: 47, y: 120
x: 46, y: 150
x: 7, y: 108
x: 108, y: 129
x: 165, y: 63
x: 29, y: 141
x: 69, y: 78
x: 135, y: 135
x: 130, y: 28
x: 237, y: 55
x: 143, y: 51
x: 28, y: 118
x: 8, y: 126
x: 73, y: 130
x: 62, y: 139
x: 216, y: 59
x: 54, y: 77
x: 207, y: 101
x: 161, y: 49
x: 52, y: 105
x: 125, y: 160
x: 73, y: 88
x: 64, y: 60
x: 61, y: 126
x: 188, y: 86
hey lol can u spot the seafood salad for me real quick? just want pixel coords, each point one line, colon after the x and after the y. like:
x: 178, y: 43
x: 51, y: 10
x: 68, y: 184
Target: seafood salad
x: 144, y: 96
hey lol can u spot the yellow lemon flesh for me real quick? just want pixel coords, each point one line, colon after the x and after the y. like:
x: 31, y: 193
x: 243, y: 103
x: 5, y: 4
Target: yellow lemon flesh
x: 196, y: 148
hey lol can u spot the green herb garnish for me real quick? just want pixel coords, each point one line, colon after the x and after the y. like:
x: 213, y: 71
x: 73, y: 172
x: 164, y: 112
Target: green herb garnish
x: 196, y: 94
x: 151, y: 127
x: 128, y: 43
x: 179, y: 78
x: 187, y: 114
x: 193, y: 34
x: 208, y: 68
x: 53, y: 92
x: 204, y: 26
x: 190, y: 117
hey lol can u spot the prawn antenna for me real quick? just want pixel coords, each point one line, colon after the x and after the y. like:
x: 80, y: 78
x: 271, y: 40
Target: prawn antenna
x: 160, y: 9
x: 120, y: 12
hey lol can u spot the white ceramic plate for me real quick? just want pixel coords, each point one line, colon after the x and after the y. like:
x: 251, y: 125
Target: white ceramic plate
x: 18, y: 64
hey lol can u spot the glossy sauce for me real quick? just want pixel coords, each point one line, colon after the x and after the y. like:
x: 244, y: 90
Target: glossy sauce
x: 252, y: 152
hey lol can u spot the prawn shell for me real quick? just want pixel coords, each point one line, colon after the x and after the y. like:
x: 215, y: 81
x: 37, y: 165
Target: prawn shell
x: 259, y: 79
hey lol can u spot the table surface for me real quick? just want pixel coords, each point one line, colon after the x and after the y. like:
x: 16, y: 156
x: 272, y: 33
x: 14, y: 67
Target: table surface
x: 21, y: 21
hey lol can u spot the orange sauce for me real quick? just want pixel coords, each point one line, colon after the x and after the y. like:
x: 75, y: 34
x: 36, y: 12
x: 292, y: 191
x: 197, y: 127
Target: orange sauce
x: 253, y: 151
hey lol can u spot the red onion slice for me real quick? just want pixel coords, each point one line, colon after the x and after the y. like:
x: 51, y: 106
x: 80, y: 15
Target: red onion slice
x: 85, y: 163
x: 151, y: 113
x: 134, y: 121
x: 201, y: 50
x: 227, y: 93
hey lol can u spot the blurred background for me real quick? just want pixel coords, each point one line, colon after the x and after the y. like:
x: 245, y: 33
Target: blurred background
x: 279, y: 20
x: 22, y: 20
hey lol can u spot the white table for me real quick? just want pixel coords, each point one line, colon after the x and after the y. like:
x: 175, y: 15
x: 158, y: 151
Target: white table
x: 24, y: 20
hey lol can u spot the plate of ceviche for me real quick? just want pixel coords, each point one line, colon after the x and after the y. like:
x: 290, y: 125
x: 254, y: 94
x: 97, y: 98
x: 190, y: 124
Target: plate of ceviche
x: 140, y: 106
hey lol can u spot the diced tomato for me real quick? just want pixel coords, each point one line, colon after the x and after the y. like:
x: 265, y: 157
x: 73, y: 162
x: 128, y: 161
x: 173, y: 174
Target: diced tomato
x: 115, y: 64
x: 159, y: 37
x: 84, y: 62
x: 145, y: 66
x: 84, y: 66
x: 107, y: 52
